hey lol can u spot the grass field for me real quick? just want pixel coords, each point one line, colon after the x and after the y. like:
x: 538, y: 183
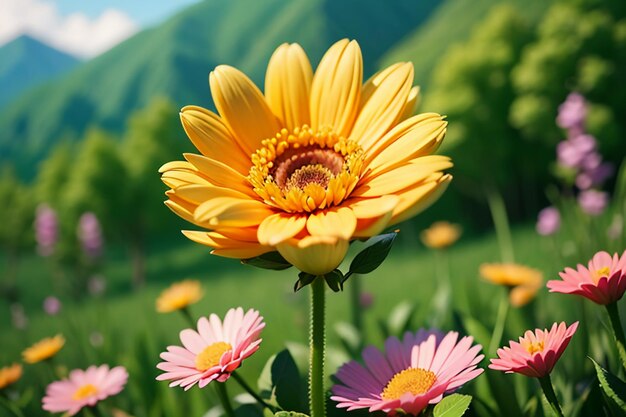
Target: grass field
x: 132, y: 333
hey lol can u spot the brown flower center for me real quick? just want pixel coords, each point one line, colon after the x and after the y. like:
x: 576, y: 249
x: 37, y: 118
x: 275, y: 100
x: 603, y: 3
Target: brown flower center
x: 303, y: 170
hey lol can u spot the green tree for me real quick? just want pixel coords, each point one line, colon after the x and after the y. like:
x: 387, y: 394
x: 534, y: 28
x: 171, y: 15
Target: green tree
x: 16, y: 229
x: 472, y: 86
x: 53, y: 174
x: 96, y: 183
x: 580, y: 46
x: 153, y: 137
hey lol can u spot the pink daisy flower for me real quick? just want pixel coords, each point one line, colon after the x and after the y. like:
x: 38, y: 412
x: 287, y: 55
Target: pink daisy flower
x: 84, y: 388
x: 214, y: 351
x: 603, y: 281
x: 411, y: 374
x: 536, y: 353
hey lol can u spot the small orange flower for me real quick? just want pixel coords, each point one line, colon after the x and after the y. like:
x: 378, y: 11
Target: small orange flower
x: 10, y: 374
x: 44, y: 349
x: 523, y: 282
x: 179, y: 295
x: 440, y: 235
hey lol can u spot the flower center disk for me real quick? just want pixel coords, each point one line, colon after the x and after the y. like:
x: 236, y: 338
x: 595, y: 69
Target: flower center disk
x: 303, y: 170
x: 85, y: 391
x: 601, y: 273
x: 415, y: 381
x: 211, y: 355
x: 536, y: 347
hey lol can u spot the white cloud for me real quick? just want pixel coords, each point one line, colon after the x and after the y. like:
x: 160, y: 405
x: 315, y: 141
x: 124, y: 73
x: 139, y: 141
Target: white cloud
x: 76, y: 33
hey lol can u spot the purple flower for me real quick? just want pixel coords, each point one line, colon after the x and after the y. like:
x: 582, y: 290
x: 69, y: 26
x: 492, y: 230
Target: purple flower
x: 548, y: 221
x: 366, y: 299
x: 46, y: 230
x: 52, y: 305
x: 96, y: 285
x: 90, y: 235
x: 595, y: 176
x: 574, y: 151
x: 593, y: 202
x: 572, y: 113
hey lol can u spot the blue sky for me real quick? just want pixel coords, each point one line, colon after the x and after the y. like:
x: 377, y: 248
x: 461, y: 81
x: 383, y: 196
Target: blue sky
x: 83, y: 28
x: 144, y: 12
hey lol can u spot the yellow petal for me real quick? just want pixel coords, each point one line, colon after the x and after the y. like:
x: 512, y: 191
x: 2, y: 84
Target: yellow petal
x: 337, y: 222
x: 221, y: 174
x: 213, y: 139
x: 198, y: 194
x: 411, y: 103
x: 288, y: 85
x: 227, y: 247
x: 231, y: 212
x: 316, y: 255
x: 384, y: 107
x: 371, y: 85
x: 243, y: 107
x: 179, y: 178
x: 373, y: 214
x: 336, y: 88
x: 368, y: 208
x: 409, y: 174
x: 417, y: 199
x: 279, y: 227
x: 176, y: 166
x: 418, y: 136
x: 182, y: 210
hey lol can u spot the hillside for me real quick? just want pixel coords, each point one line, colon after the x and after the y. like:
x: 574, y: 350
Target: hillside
x: 25, y: 62
x: 175, y: 58
x: 451, y: 23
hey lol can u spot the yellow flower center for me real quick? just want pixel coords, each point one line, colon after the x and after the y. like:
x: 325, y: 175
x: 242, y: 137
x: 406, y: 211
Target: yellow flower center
x: 303, y: 170
x: 600, y: 273
x: 85, y: 391
x: 533, y: 348
x: 413, y: 380
x: 211, y: 355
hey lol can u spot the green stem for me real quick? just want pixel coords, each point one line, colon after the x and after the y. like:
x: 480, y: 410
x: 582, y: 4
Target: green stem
x: 548, y: 390
x: 498, y: 329
x: 220, y: 388
x: 8, y: 404
x: 501, y: 223
x: 618, y: 332
x: 317, y: 341
x: 250, y: 391
x: 187, y: 314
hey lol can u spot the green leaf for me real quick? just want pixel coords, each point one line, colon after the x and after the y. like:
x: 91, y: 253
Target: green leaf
x: 270, y: 260
x: 280, y: 382
x: 613, y: 387
x: 304, y: 279
x: 454, y: 405
x: 334, y: 279
x: 372, y: 256
x: 289, y: 414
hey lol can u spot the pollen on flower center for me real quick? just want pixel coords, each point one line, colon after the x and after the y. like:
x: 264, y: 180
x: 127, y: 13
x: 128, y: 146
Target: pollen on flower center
x: 85, y: 391
x: 415, y: 381
x: 303, y: 170
x: 600, y: 273
x: 536, y: 347
x: 211, y: 355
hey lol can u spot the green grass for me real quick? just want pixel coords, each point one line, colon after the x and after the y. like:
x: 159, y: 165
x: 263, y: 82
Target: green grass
x: 134, y: 333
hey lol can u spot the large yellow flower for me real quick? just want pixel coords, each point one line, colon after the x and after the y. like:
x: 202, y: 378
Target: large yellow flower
x: 317, y: 161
